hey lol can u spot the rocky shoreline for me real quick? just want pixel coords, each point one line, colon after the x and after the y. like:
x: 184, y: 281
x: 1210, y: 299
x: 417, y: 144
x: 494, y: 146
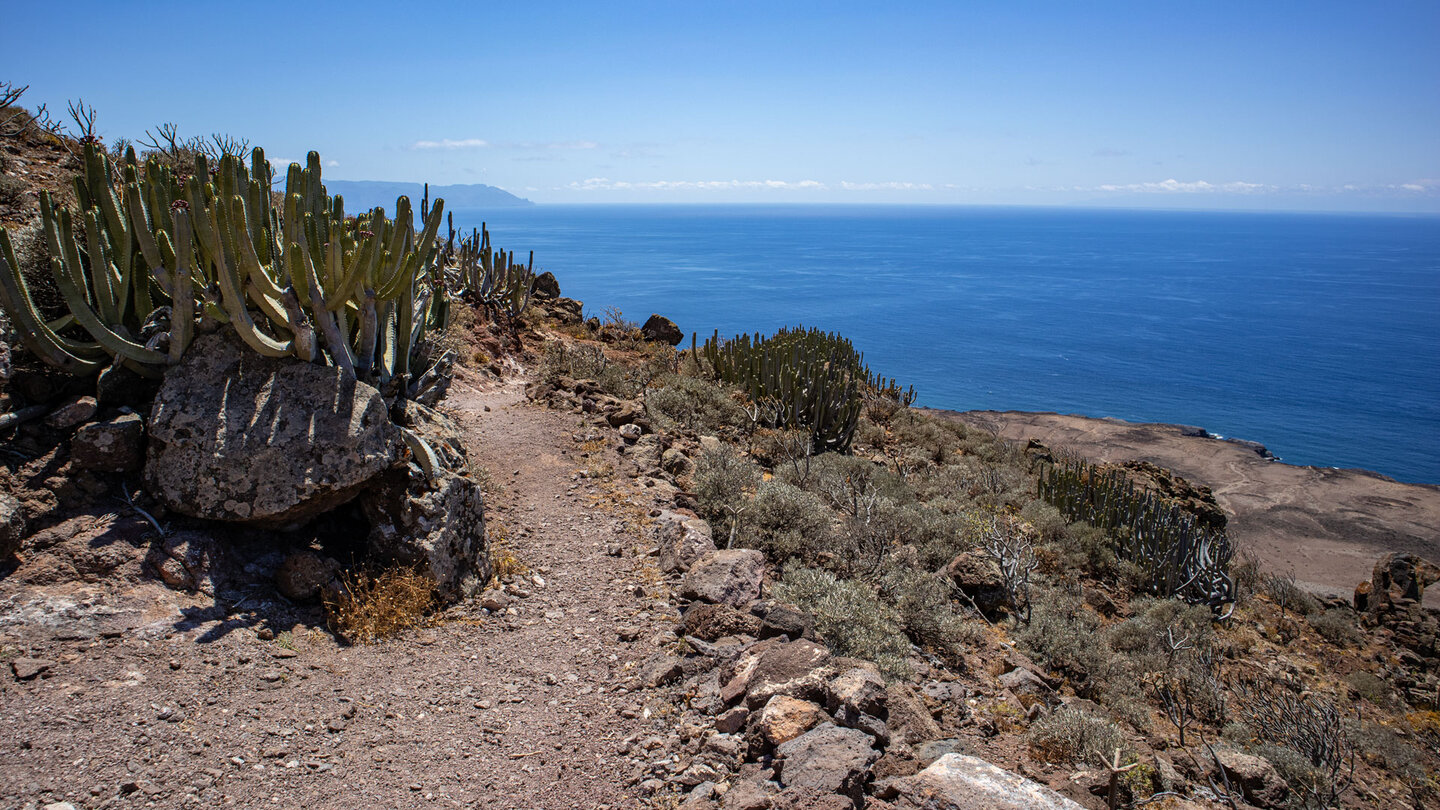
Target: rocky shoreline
x: 1328, y: 525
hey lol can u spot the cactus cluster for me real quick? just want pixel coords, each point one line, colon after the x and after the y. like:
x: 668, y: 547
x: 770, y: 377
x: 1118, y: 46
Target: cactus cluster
x: 798, y: 378
x: 489, y: 277
x: 146, y: 262
x: 1176, y: 555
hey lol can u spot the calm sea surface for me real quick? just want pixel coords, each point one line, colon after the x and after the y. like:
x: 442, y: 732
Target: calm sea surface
x: 1316, y: 335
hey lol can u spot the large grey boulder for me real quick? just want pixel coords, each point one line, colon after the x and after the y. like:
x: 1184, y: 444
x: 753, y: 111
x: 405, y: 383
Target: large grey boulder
x: 960, y: 782
x: 235, y: 436
x: 727, y: 577
x: 434, y: 526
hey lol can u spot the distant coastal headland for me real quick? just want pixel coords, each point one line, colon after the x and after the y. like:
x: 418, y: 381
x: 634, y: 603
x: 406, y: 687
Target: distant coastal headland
x: 1327, y: 525
x: 364, y: 194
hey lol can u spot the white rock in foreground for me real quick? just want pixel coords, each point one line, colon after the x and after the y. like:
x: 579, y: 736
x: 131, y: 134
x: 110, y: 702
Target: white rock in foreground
x: 960, y: 782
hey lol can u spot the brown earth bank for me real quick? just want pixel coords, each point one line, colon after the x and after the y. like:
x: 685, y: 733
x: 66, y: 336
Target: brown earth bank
x: 1326, y: 525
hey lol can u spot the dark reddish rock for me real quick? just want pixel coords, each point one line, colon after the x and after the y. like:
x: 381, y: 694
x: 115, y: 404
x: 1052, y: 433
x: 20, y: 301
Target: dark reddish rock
x: 114, y: 445
x: 661, y: 329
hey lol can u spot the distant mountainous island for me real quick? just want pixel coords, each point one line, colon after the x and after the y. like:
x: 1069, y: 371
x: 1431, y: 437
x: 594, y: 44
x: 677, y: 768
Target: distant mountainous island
x: 365, y: 194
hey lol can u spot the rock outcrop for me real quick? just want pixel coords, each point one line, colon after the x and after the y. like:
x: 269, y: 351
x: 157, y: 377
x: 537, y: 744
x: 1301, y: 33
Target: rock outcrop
x: 435, y: 526
x: 235, y: 436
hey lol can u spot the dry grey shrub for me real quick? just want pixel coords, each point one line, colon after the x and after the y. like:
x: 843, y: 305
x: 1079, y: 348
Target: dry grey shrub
x: 926, y: 605
x: 1338, y: 627
x: 722, y: 479
x: 1071, y: 735
x: 849, y: 616
x: 692, y: 403
x: 787, y: 522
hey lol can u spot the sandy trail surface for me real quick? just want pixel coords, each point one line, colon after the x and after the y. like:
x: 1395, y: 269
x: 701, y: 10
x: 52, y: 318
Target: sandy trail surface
x: 523, y: 711
x: 1327, y: 525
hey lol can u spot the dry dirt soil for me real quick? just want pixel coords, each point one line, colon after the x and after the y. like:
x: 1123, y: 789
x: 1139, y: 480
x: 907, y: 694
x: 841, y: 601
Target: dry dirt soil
x: 1326, y: 525
x: 531, y: 710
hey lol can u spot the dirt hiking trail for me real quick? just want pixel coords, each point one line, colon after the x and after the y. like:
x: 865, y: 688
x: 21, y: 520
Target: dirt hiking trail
x: 530, y: 710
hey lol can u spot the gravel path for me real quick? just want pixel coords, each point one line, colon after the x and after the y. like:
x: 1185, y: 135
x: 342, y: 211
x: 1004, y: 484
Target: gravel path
x: 528, y: 710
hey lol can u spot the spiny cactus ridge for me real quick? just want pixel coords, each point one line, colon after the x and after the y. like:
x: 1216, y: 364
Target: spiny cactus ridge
x: 1176, y: 555
x: 146, y: 262
x: 799, y: 378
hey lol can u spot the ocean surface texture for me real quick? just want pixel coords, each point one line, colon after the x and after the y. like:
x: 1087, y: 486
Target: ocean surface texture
x: 1316, y: 335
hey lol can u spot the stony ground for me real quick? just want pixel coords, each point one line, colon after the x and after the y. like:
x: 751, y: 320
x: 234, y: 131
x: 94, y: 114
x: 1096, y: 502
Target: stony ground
x: 528, y: 707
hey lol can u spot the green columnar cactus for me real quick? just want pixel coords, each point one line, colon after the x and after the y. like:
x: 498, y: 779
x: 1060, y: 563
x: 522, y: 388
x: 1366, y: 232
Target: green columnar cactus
x: 1177, y: 556
x: 808, y: 379
x: 212, y: 244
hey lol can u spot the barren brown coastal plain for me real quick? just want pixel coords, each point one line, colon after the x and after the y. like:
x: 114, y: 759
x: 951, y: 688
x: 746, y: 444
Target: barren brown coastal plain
x: 1326, y: 525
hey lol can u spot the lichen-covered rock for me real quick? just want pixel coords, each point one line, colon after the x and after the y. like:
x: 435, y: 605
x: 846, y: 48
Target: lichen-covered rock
x: 709, y: 622
x: 1257, y: 779
x: 828, y: 759
x: 774, y: 667
x: 960, y: 782
x: 859, y: 689
x: 728, y: 577
x: 12, y: 525
x: 114, y: 445
x: 436, y: 526
x: 683, y: 540
x: 909, y: 720
x: 235, y: 436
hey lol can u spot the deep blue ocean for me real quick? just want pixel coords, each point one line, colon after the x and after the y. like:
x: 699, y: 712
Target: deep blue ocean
x: 1317, y: 335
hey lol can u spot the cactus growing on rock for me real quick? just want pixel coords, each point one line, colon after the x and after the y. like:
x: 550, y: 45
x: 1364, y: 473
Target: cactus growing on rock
x: 304, y: 281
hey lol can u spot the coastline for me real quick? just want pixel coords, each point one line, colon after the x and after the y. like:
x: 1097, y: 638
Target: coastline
x: 1328, y: 525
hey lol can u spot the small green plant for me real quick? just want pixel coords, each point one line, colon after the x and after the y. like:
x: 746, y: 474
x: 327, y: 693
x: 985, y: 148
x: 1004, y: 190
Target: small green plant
x: 285, y: 640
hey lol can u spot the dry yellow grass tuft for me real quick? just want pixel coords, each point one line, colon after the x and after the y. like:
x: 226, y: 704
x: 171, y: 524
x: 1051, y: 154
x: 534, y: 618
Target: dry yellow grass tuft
x: 373, y: 608
x: 504, y: 562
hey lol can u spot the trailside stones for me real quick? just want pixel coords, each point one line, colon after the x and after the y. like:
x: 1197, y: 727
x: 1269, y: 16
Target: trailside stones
x: 960, y: 782
x: 727, y: 577
x: 828, y: 759
x: 238, y: 437
x: 683, y: 540
x: 434, y: 526
x: 114, y: 445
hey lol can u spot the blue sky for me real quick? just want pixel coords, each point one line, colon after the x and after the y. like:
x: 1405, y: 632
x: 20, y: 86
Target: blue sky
x: 1275, y: 105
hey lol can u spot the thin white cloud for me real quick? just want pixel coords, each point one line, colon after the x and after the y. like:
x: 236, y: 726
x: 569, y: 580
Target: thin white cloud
x: 886, y: 186
x: 330, y: 164
x: 446, y: 143
x: 481, y: 143
x: 1173, y: 186
x: 606, y: 184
